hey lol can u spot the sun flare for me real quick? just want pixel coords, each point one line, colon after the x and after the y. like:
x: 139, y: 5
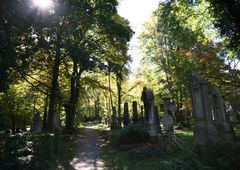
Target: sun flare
x: 43, y: 3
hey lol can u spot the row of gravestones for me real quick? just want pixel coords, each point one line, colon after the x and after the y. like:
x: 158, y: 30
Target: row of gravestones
x: 211, y: 122
x: 148, y: 117
x: 37, y: 123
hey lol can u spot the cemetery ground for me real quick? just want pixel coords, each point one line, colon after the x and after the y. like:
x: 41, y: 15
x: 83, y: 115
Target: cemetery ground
x: 62, y: 151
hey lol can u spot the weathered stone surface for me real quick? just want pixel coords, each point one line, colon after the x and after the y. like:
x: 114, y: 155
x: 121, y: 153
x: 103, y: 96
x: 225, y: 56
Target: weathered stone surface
x: 114, y: 118
x: 145, y: 100
x: 56, y: 121
x: 168, y: 107
x: 167, y: 122
x: 126, y: 119
x: 224, y: 128
x: 151, y: 114
x: 157, y: 118
x: 204, y: 130
x: 37, y: 124
x: 135, y: 112
x: 141, y: 119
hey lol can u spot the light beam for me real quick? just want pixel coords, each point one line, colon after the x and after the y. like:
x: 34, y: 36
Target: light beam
x: 43, y: 4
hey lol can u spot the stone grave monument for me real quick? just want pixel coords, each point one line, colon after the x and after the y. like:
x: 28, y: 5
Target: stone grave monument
x: 204, y: 130
x: 126, y: 119
x: 224, y: 128
x: 37, y: 124
x: 135, y: 112
x: 56, y: 121
x: 114, y: 118
x: 148, y: 100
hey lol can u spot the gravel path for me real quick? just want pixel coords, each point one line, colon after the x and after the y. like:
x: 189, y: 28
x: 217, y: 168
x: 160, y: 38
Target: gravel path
x: 88, y: 150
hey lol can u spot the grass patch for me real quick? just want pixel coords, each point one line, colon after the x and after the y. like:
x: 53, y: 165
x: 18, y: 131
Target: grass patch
x: 189, y: 157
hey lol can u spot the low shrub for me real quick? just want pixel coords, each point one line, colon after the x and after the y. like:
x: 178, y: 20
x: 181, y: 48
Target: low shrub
x: 133, y: 134
x: 221, y: 156
x: 35, y: 151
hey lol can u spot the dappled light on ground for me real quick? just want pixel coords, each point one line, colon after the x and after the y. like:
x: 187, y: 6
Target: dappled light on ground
x: 88, y: 150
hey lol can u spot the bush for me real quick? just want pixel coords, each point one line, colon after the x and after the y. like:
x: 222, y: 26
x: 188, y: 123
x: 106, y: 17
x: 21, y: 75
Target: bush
x: 130, y: 135
x: 35, y: 151
x: 221, y: 156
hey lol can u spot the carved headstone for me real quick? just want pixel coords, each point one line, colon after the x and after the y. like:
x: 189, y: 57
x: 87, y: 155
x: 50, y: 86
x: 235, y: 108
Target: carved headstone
x: 141, y: 117
x: 168, y: 107
x: 119, y: 119
x: 204, y: 130
x: 145, y: 100
x: 225, y: 130
x: 167, y: 122
x: 37, y: 124
x: 157, y: 118
x: 151, y: 116
x: 114, y: 118
x: 126, y: 119
x: 135, y: 112
x: 56, y: 121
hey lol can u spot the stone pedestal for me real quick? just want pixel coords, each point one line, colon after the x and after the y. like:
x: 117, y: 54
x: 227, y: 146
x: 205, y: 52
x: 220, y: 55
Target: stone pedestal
x: 224, y: 128
x: 126, y: 119
x: 151, y: 116
x: 56, y: 121
x: 114, y: 118
x: 37, y: 124
x: 204, y: 130
x: 157, y: 118
x: 135, y: 112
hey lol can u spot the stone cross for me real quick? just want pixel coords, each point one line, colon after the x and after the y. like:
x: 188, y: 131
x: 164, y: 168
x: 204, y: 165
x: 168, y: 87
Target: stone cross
x: 56, y: 121
x: 114, y: 118
x: 225, y: 130
x: 135, y: 112
x: 168, y: 107
x: 126, y: 119
x: 204, y: 130
x: 37, y: 124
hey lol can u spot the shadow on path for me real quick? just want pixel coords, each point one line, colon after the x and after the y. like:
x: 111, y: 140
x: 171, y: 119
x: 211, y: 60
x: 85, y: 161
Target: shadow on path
x: 88, y: 150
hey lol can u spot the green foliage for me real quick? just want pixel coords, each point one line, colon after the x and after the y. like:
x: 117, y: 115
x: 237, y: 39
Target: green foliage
x: 30, y: 151
x: 133, y: 134
x: 212, y: 157
x: 219, y: 156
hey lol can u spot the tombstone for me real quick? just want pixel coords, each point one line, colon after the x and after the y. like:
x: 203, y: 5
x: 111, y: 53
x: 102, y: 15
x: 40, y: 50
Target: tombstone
x: 126, y: 119
x: 204, y: 130
x: 56, y: 121
x: 114, y: 118
x: 119, y: 118
x: 37, y: 124
x: 167, y: 120
x: 151, y: 114
x: 144, y: 98
x: 157, y: 118
x: 135, y: 112
x: 141, y: 117
x: 224, y: 128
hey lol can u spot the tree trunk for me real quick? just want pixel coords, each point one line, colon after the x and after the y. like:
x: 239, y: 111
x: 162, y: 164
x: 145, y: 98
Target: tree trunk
x: 181, y: 117
x: 71, y: 106
x: 119, y: 89
x: 54, y: 86
x: 110, y: 93
x: 13, y: 124
x: 45, y: 115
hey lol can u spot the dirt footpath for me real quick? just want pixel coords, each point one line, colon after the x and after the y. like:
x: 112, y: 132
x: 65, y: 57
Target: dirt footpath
x: 88, y: 151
